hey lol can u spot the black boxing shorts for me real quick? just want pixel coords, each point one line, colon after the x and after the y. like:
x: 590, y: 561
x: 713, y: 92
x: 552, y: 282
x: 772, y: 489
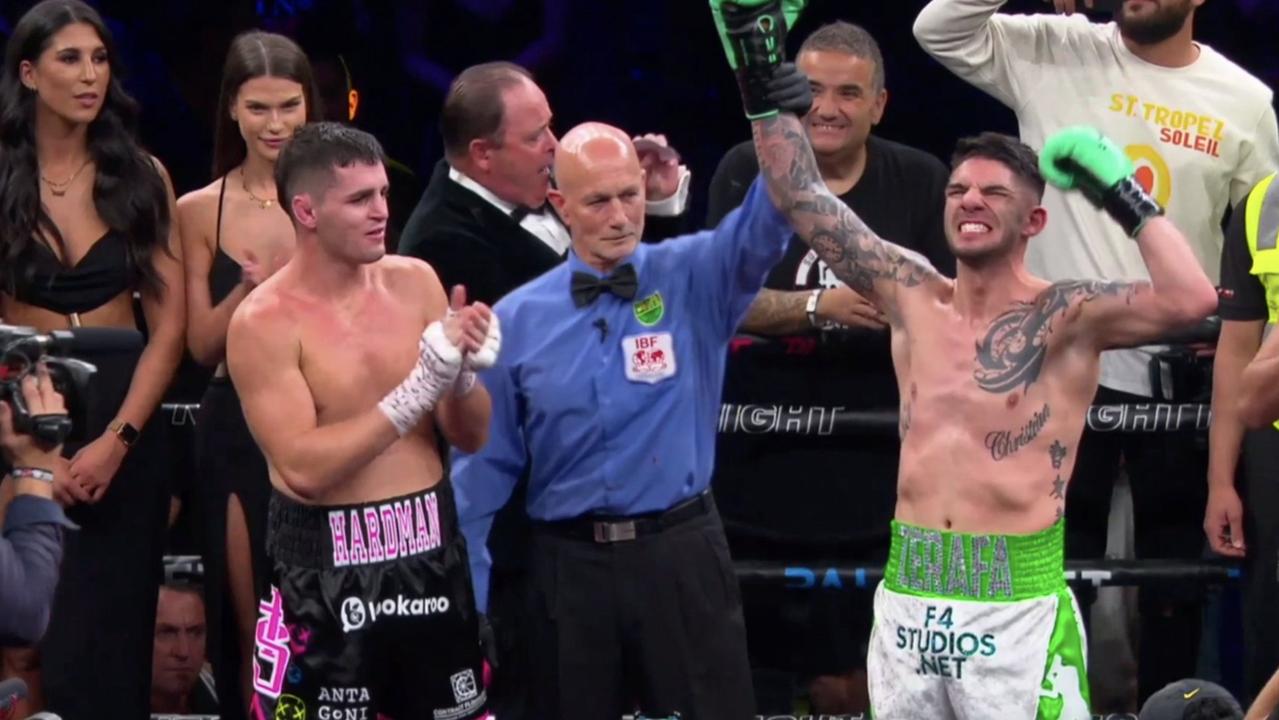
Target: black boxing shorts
x: 370, y: 614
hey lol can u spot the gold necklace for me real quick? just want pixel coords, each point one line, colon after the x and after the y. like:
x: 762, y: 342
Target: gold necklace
x: 59, y: 189
x: 263, y: 203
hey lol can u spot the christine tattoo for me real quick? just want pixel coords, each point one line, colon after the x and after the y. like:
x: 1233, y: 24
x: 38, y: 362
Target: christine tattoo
x: 1002, y: 443
x: 1012, y: 353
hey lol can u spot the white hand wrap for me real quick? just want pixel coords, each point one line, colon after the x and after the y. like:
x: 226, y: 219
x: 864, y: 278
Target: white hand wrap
x: 487, y: 355
x: 438, y: 365
x: 482, y: 360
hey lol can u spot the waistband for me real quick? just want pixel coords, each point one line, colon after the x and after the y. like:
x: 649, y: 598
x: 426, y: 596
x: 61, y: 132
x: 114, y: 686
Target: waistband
x: 605, y: 530
x: 335, y: 536
x: 992, y: 568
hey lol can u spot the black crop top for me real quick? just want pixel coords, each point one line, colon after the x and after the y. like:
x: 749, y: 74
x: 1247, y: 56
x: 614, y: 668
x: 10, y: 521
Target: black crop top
x: 225, y: 272
x: 99, y: 276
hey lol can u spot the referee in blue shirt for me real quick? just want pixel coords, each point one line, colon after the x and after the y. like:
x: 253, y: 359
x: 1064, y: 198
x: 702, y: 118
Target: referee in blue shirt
x: 605, y: 400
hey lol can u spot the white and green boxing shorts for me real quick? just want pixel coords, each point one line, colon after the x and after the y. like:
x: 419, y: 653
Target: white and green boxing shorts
x: 973, y: 627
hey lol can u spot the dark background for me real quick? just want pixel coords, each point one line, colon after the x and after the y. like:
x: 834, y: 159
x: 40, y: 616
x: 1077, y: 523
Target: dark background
x: 647, y: 67
x: 644, y: 66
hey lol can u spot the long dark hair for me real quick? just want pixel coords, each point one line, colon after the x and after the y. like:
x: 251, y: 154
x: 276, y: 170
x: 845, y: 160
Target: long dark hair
x: 256, y: 54
x: 128, y: 192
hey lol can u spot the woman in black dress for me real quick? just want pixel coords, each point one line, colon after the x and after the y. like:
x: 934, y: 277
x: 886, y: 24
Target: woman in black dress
x: 84, y: 227
x: 234, y: 235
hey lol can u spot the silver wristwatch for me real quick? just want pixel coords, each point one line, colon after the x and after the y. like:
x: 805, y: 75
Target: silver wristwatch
x: 810, y: 307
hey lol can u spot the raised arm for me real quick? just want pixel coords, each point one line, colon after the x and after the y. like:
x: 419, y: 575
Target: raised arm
x: 1127, y: 314
x: 870, y: 265
x: 773, y: 93
x: 999, y: 54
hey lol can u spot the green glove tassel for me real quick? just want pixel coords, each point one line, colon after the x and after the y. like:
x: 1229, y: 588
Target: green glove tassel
x: 754, y: 36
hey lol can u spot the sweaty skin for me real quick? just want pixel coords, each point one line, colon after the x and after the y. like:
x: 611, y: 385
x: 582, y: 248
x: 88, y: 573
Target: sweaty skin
x: 315, y: 348
x: 996, y: 368
x: 996, y: 409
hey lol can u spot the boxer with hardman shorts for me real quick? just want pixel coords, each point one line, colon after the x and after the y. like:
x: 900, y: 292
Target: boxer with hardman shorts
x: 347, y: 363
x: 996, y: 370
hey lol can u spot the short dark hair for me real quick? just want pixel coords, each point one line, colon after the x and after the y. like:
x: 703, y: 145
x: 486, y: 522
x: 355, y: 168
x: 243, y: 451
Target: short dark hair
x: 1013, y: 153
x: 473, y: 108
x: 850, y: 39
x: 317, y: 149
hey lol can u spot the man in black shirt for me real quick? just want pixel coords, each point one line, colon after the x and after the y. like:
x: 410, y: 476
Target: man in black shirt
x: 840, y: 490
x: 1247, y: 529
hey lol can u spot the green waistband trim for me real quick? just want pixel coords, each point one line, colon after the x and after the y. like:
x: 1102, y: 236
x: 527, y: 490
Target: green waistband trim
x: 992, y: 568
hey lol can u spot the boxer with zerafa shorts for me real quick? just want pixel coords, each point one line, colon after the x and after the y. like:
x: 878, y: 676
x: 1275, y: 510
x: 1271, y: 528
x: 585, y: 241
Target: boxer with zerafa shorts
x: 996, y: 369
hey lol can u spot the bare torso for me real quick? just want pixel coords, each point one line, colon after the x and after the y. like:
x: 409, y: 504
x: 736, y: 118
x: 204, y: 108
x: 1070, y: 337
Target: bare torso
x: 353, y: 351
x: 991, y: 413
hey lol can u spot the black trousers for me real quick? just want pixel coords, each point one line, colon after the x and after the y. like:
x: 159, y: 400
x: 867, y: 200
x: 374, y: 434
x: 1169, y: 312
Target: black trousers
x: 653, y: 623
x: 96, y: 655
x: 229, y: 463
x: 1168, y: 474
x: 1259, y: 489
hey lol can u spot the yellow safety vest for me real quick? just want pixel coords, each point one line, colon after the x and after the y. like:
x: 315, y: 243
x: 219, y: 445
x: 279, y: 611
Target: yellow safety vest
x: 1261, y: 222
x: 1262, y: 225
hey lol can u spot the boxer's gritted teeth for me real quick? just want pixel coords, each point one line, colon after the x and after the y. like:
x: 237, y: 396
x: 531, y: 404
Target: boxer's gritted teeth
x: 973, y: 227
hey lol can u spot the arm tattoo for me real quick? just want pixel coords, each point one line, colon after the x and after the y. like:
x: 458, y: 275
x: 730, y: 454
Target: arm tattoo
x: 866, y: 263
x: 1012, y: 353
x: 777, y: 312
x: 1003, y: 443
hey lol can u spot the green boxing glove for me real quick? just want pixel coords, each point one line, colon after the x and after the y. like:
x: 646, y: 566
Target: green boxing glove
x: 1082, y: 158
x: 754, y: 37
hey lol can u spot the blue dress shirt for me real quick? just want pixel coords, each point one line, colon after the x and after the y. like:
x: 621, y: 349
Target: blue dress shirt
x: 612, y: 408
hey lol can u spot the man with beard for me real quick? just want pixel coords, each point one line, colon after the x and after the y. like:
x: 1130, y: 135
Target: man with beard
x: 1202, y: 132
x: 898, y: 191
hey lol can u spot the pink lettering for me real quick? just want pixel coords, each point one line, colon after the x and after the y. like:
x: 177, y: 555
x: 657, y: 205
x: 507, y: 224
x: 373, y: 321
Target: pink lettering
x: 373, y: 528
x: 359, y: 553
x: 423, y: 540
x: 404, y: 517
x: 433, y: 520
x: 271, y: 650
x: 337, y: 530
x: 388, y: 531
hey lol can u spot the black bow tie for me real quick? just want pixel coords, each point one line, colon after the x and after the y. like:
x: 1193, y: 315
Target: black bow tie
x: 523, y: 211
x: 621, y: 282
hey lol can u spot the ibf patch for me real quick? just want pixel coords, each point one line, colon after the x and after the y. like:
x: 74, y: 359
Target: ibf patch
x: 649, y: 357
